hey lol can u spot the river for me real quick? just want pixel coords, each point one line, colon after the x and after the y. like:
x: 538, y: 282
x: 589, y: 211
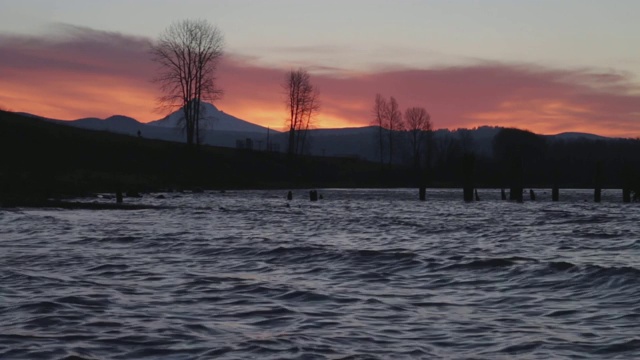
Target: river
x: 360, y: 274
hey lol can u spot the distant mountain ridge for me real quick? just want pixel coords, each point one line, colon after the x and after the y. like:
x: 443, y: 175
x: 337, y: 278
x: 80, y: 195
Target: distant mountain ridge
x: 115, y: 123
x: 577, y: 135
x: 225, y: 130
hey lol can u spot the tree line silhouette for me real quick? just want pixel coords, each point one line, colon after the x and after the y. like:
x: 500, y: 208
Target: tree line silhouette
x: 521, y: 158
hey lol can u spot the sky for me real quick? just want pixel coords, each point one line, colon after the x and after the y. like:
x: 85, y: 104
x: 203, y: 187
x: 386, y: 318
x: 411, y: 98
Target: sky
x: 549, y: 66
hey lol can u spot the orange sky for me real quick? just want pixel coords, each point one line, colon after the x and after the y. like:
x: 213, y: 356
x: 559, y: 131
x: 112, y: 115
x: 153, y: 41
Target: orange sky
x: 101, y: 74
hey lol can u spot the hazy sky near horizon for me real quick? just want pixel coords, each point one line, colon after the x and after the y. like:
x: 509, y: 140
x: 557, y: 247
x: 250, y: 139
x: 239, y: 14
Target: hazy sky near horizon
x: 547, y: 65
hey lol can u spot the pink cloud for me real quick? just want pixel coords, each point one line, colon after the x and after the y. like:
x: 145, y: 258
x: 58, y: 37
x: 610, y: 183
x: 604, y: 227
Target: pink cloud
x: 78, y: 72
x: 81, y: 72
x: 541, y: 99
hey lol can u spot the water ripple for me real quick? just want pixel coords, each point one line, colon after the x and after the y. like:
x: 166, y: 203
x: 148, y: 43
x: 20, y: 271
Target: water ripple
x: 363, y: 274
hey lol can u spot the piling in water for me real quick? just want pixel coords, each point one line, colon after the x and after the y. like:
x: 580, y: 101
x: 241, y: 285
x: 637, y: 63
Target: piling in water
x: 503, y: 195
x: 555, y: 190
x: 468, y: 193
x: 119, y: 197
x: 627, y: 184
x: 515, y: 192
x: 468, y: 162
x: 476, y: 193
x: 532, y: 195
x: 313, y: 195
x: 423, y: 193
x: 289, y: 195
x: 597, y: 192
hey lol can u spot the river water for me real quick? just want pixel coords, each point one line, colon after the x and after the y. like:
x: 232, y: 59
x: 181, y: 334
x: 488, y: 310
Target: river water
x: 360, y: 274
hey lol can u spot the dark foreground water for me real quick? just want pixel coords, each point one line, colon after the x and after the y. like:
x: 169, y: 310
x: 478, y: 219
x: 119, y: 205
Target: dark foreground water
x: 360, y: 274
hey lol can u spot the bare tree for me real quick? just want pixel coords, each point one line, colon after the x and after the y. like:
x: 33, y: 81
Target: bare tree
x: 188, y: 53
x: 393, y: 124
x: 379, y: 120
x: 418, y: 122
x: 303, y: 104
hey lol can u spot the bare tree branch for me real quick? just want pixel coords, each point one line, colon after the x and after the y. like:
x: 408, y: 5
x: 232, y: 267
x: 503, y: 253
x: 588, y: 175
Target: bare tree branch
x: 379, y: 120
x: 418, y: 122
x: 302, y: 101
x: 188, y: 53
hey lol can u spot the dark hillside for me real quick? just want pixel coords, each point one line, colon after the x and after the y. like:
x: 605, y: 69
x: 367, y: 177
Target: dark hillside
x: 43, y: 159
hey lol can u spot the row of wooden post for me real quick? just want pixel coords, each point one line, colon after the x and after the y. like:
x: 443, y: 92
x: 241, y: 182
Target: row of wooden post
x: 517, y: 188
x: 515, y: 194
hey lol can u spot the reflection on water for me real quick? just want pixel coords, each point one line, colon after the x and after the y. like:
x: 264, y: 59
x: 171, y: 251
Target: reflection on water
x: 362, y: 273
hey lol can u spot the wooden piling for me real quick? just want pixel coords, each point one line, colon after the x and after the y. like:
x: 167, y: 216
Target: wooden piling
x: 515, y: 192
x: 468, y: 193
x: 555, y: 190
x: 627, y: 183
x: 597, y: 192
x: 423, y: 193
x: 555, y: 193
x: 468, y: 162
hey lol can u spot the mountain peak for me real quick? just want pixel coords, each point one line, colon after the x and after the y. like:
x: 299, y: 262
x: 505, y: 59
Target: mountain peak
x: 214, y: 119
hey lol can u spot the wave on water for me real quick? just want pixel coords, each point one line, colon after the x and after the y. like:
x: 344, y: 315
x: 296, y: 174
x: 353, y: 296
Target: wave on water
x: 363, y: 274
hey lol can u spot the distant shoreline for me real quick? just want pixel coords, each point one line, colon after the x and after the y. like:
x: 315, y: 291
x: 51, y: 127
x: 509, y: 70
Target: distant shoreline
x: 75, y: 205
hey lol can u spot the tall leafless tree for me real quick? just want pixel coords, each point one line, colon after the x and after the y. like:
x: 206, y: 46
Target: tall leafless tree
x: 379, y: 120
x: 302, y: 104
x: 393, y: 124
x: 188, y: 53
x: 418, y: 123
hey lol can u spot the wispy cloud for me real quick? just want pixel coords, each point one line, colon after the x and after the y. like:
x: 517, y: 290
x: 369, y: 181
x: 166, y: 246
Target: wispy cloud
x: 76, y: 72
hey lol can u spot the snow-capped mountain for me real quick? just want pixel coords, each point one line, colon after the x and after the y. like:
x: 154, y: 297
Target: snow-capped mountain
x: 214, y: 119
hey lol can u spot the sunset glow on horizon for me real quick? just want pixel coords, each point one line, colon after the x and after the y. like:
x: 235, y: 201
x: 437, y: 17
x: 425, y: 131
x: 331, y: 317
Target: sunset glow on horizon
x: 75, y: 72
